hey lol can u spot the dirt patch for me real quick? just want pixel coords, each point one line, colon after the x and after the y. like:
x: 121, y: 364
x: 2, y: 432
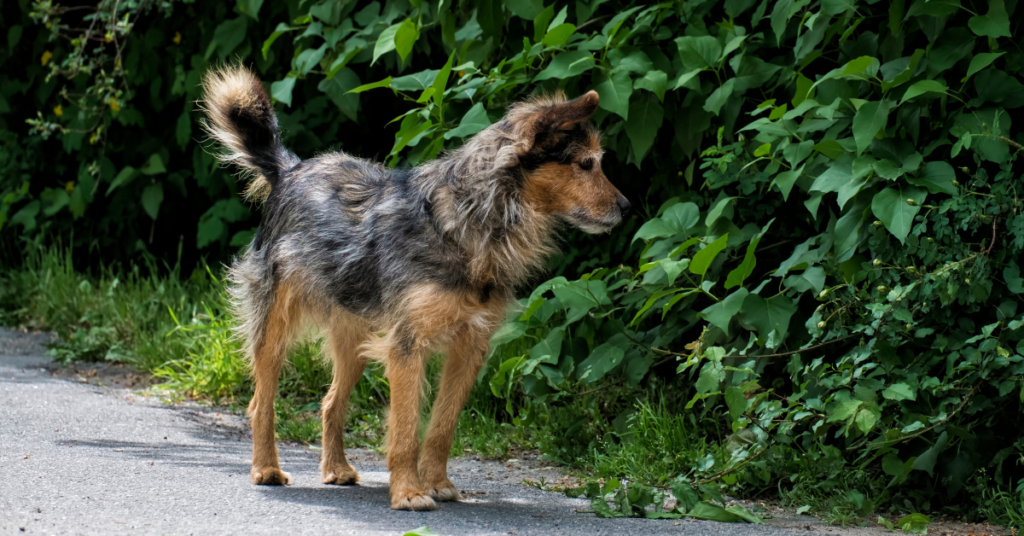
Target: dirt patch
x: 103, y: 375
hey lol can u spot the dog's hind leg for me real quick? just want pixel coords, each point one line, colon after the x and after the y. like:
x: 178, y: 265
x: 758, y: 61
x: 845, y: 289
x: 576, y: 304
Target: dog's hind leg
x: 465, y: 357
x: 268, y: 358
x: 343, y: 346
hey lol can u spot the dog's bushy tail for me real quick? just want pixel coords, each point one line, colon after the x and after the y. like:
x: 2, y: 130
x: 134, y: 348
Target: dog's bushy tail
x: 242, y: 119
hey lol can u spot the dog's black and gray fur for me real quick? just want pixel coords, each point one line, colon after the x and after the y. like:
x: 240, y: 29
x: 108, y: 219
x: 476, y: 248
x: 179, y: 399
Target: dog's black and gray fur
x: 403, y: 261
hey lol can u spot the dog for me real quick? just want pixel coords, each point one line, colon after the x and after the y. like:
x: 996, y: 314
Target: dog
x: 397, y: 264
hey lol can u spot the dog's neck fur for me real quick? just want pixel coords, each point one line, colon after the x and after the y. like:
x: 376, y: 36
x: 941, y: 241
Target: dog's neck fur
x: 476, y: 198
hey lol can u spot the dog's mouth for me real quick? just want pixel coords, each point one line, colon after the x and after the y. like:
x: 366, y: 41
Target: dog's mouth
x: 579, y: 219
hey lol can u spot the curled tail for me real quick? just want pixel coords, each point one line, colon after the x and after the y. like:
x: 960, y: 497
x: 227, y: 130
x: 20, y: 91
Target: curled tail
x: 242, y: 119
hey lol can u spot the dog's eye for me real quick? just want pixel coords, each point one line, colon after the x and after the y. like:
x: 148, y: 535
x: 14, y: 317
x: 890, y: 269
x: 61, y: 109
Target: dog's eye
x: 587, y: 165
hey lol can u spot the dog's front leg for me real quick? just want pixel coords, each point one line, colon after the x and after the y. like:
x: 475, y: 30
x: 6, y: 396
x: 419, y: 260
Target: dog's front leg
x: 405, y: 370
x: 465, y: 358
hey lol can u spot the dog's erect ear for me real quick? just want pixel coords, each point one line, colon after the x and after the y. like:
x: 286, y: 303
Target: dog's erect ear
x: 551, y: 126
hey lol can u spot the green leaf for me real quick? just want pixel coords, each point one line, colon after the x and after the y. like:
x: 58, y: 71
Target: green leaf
x: 645, y: 117
x: 339, y: 89
x: 719, y: 97
x: 718, y: 210
x: 26, y: 216
x: 867, y: 418
x: 767, y: 315
x: 441, y: 80
x: 282, y: 90
x: 744, y: 514
x: 54, y: 199
x: 844, y: 410
x: 559, y: 35
x: 699, y: 52
x: 405, y: 37
x: 996, y: 23
x: 922, y: 87
x: 1014, y: 282
x: 736, y: 401
x: 869, y: 120
x: 711, y: 375
x: 614, y: 90
x: 703, y: 259
x: 527, y: 9
x: 937, y: 177
x: 721, y: 313
x: 250, y: 7
x: 713, y: 512
x: 601, y: 361
x: 764, y: 149
x: 152, y: 197
x: 926, y: 461
x: 685, y: 78
x: 329, y: 12
x: 123, y: 177
x: 308, y: 59
x: 153, y: 166
x: 13, y: 37
x: 474, y: 121
x: 281, y: 29
x: 746, y: 268
x: 226, y: 38
x: 183, y: 130
x: 914, y: 523
x: 979, y: 62
x: 567, y: 64
x: 654, y: 81
x: 385, y: 41
x: 899, y: 391
x: 507, y: 333
x: 891, y: 207
x: 373, y: 85
x: 830, y: 148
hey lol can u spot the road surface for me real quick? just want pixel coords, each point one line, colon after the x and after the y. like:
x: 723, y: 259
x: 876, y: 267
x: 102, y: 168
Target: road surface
x: 82, y: 459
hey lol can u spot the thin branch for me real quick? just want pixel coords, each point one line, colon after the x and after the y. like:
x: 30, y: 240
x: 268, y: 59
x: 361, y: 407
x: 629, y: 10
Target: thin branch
x: 826, y: 343
x: 992, y: 244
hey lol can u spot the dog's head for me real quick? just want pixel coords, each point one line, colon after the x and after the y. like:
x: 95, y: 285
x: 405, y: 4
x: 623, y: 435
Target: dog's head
x: 558, y: 152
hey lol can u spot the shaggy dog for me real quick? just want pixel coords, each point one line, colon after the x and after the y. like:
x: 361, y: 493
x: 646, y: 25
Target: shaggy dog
x: 396, y: 264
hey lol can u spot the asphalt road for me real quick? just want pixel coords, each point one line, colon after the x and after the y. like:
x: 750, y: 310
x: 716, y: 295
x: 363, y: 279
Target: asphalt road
x: 82, y: 459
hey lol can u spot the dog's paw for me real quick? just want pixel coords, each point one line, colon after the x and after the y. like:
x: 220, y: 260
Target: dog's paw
x: 412, y: 499
x: 269, y: 476
x: 444, y: 491
x: 340, y: 475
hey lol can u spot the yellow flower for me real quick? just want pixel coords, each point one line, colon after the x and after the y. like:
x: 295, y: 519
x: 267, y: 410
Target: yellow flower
x: 46, y: 57
x: 58, y: 110
x: 108, y: 37
x: 114, y: 106
x: 70, y: 186
x: 177, y: 38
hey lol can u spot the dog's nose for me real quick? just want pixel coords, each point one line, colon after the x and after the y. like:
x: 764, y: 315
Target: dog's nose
x: 623, y: 204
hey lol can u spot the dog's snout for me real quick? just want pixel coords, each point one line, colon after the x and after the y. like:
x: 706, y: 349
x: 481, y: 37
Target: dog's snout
x: 623, y: 204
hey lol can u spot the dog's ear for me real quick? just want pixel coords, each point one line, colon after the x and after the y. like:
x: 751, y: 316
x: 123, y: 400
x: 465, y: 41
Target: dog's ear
x: 552, y: 123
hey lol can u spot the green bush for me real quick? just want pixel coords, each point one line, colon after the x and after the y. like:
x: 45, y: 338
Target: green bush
x: 825, y: 283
